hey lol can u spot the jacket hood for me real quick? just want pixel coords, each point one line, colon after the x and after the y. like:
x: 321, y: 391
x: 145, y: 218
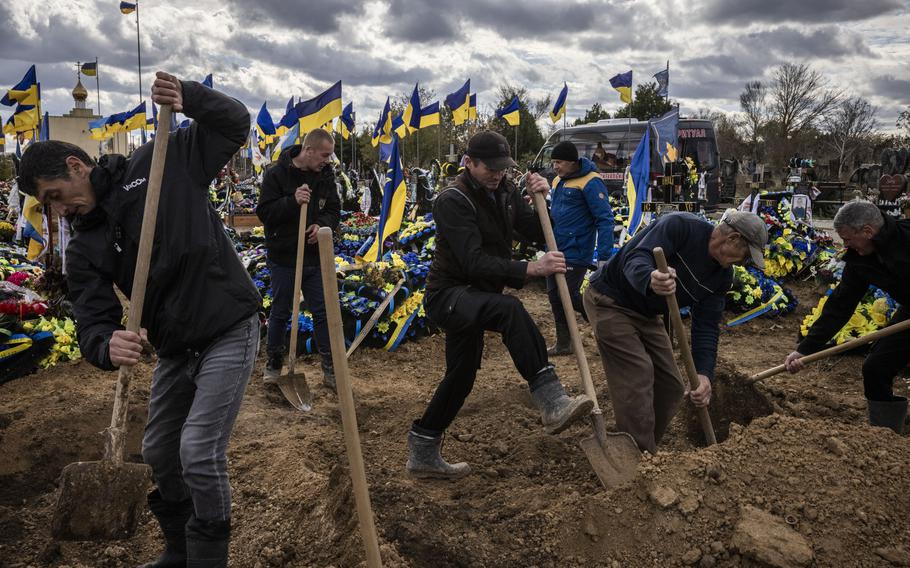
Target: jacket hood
x: 287, y: 155
x: 586, y: 166
x: 109, y: 170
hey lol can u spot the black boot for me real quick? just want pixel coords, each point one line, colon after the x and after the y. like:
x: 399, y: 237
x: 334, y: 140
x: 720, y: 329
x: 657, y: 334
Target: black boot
x: 563, y: 341
x: 172, y: 517
x: 425, y: 460
x: 557, y: 409
x: 273, y: 364
x: 888, y: 413
x: 328, y: 371
x: 207, y: 543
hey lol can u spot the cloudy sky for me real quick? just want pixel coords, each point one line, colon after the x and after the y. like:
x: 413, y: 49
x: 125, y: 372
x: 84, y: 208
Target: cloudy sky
x: 271, y: 49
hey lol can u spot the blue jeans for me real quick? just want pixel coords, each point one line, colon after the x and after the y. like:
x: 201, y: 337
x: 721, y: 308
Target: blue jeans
x: 283, y: 297
x: 192, y: 408
x: 575, y: 275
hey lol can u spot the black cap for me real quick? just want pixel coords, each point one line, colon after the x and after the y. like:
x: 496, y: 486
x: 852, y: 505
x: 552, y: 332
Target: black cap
x: 492, y: 149
x: 565, y: 151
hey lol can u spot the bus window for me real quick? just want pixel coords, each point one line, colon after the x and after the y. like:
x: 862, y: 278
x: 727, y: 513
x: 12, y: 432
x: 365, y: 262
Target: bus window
x: 703, y: 152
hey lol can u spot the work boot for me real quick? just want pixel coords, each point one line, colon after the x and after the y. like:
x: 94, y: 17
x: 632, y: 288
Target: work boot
x: 207, y: 543
x: 563, y: 341
x: 425, y: 461
x: 557, y: 409
x: 273, y: 367
x: 172, y: 518
x: 889, y: 413
x: 328, y: 371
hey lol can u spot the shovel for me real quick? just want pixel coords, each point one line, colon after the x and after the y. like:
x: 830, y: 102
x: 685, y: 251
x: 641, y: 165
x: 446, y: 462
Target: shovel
x: 346, y: 400
x: 102, y: 500
x: 613, y: 456
x: 845, y: 346
x: 691, y: 372
x: 293, y: 384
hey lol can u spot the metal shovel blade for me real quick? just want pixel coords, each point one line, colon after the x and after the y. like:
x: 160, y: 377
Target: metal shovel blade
x: 295, y: 389
x: 100, y: 500
x: 615, y: 461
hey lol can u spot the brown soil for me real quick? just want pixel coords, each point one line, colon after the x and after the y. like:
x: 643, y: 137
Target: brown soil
x: 532, y: 501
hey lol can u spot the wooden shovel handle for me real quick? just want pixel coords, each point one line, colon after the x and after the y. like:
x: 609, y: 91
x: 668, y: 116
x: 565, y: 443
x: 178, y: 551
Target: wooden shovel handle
x: 114, y: 436
x: 298, y: 282
x: 673, y: 307
x: 346, y: 398
x: 846, y: 346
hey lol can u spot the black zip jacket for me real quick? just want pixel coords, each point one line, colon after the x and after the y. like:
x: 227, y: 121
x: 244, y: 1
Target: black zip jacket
x: 474, y: 234
x: 279, y: 212
x: 887, y: 268
x: 701, y: 283
x: 197, y: 287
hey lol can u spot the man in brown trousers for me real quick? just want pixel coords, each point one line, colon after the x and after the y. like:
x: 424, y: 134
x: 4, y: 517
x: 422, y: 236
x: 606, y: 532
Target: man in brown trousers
x: 626, y: 296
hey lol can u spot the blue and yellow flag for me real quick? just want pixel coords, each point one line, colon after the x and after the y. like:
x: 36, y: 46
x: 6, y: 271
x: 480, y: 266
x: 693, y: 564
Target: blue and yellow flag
x: 347, y: 121
x: 510, y: 112
x: 559, y: 108
x: 25, y: 119
x: 382, y: 133
x: 25, y: 92
x: 411, y: 115
x: 399, y: 127
x: 97, y: 130
x: 135, y: 119
x: 320, y: 109
x: 291, y: 137
x: 208, y: 82
x: 623, y: 83
x: 33, y: 227
x: 288, y: 120
x: 127, y: 7
x: 666, y: 135
x: 429, y: 115
x: 90, y: 69
x: 393, y: 199
x: 637, y: 182
x: 472, y: 107
x: 45, y: 133
x: 459, y: 103
x: 265, y: 127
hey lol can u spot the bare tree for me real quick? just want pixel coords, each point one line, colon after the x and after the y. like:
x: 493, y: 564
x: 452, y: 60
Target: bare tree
x: 903, y: 121
x: 799, y: 97
x: 847, y: 126
x: 753, y: 102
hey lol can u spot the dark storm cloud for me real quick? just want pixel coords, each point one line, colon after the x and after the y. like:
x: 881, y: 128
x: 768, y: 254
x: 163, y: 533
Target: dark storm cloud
x: 419, y: 22
x: 810, y: 11
x: 890, y: 87
x: 725, y: 65
x: 828, y: 42
x: 315, y: 16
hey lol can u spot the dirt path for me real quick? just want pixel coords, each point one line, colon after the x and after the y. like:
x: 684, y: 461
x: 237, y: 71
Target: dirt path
x: 533, y: 500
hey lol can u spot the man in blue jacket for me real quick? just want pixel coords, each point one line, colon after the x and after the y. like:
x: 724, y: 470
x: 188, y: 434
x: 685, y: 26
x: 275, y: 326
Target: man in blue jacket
x: 581, y: 214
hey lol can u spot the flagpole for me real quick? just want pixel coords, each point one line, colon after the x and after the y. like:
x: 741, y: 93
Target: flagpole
x: 667, y: 90
x: 98, y: 87
x: 516, y: 143
x: 418, y: 147
x: 138, y: 60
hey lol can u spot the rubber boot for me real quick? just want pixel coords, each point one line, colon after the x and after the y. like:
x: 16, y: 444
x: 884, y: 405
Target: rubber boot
x: 557, y: 409
x: 890, y: 413
x: 425, y: 460
x: 328, y: 372
x: 563, y: 341
x: 172, y: 518
x: 273, y: 367
x: 207, y: 543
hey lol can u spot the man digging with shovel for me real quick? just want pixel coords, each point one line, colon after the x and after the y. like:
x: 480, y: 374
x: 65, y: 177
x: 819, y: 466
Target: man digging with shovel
x: 200, y: 310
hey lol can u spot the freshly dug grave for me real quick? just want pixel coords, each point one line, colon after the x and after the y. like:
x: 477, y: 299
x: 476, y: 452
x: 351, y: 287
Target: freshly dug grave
x: 805, y: 457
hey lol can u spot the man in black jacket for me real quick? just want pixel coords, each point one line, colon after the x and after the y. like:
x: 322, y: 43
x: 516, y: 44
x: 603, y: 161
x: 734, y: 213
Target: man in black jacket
x: 476, y: 220
x: 201, y: 308
x: 626, y: 296
x: 303, y: 174
x: 878, y: 254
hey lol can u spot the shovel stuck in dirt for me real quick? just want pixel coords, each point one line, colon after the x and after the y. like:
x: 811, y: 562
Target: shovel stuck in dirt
x: 102, y: 500
x: 293, y: 384
x: 613, y: 456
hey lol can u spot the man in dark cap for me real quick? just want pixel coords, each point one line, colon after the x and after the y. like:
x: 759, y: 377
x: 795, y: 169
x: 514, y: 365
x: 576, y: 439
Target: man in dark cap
x: 476, y: 221
x: 628, y: 293
x: 582, y: 217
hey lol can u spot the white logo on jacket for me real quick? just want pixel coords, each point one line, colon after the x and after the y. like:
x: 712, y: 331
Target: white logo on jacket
x: 134, y: 184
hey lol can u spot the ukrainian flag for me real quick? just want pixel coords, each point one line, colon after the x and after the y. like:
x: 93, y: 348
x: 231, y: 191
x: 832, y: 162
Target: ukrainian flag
x: 135, y: 119
x: 208, y: 82
x: 398, y: 126
x: 90, y: 69
x: 347, y: 121
x: 623, y: 84
x: 33, y: 227
x: 25, y: 92
x: 559, y: 109
x: 265, y: 127
x: 289, y: 139
x: 382, y: 133
x: 510, y: 112
x: 320, y: 109
x: 25, y: 118
x: 127, y: 8
x: 459, y: 102
x: 393, y: 199
x: 411, y: 116
x: 637, y: 178
x: 288, y: 120
x: 429, y: 115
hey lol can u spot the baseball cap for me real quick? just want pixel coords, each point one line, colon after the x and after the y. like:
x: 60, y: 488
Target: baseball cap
x: 492, y: 149
x: 753, y: 230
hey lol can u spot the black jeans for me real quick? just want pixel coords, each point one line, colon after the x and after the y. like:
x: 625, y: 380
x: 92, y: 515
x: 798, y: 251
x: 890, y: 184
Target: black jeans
x: 282, y: 304
x: 465, y: 313
x: 886, y: 358
x: 575, y: 275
